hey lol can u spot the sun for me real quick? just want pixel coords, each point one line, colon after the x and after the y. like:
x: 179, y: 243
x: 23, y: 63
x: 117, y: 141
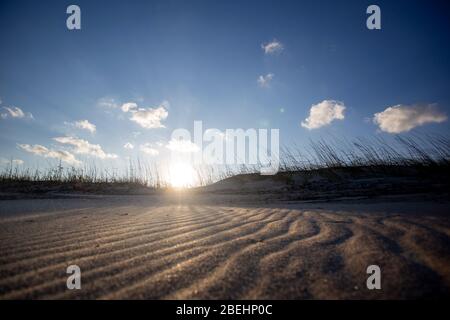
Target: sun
x: 182, y: 175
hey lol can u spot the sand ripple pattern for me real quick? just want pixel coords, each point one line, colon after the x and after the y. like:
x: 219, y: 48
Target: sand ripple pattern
x: 213, y: 252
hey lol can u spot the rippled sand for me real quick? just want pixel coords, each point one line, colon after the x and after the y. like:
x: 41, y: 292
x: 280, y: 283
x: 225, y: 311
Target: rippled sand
x: 201, y: 251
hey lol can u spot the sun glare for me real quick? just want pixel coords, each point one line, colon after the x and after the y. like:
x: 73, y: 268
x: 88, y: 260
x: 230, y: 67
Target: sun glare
x: 182, y: 175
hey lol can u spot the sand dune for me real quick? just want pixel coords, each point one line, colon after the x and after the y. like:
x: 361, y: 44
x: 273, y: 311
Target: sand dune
x: 198, y: 251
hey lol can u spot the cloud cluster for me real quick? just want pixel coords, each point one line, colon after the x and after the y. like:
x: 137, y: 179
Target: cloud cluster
x: 40, y: 150
x: 324, y: 113
x: 15, y: 112
x: 126, y: 107
x: 147, y: 148
x: 402, y: 118
x: 107, y: 103
x: 81, y: 146
x: 184, y: 146
x: 148, y: 118
x: 14, y: 162
x: 272, y: 47
x: 83, y: 125
x: 128, y: 146
x: 264, y: 81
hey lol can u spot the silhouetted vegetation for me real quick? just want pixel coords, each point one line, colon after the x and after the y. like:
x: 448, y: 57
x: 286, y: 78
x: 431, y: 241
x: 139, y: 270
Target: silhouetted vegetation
x: 422, y: 154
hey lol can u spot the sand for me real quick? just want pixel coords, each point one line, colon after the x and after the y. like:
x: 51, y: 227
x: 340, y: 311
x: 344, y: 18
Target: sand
x: 143, y: 247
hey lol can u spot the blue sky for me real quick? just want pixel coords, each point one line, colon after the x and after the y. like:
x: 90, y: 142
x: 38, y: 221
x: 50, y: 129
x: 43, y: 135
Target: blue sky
x: 201, y: 60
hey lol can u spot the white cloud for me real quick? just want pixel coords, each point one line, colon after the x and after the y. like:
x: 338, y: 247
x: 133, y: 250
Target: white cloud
x: 81, y: 146
x: 272, y: 47
x: 86, y: 125
x: 128, y: 146
x: 15, y: 112
x: 15, y: 162
x: 83, y: 124
x: 182, y: 146
x: 40, y: 150
x: 402, y: 118
x: 148, y: 149
x: 323, y: 114
x: 148, y: 118
x: 129, y: 106
x: 107, y: 103
x: 264, y: 81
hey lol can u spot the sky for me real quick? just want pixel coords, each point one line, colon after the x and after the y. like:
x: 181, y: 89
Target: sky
x: 137, y: 70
